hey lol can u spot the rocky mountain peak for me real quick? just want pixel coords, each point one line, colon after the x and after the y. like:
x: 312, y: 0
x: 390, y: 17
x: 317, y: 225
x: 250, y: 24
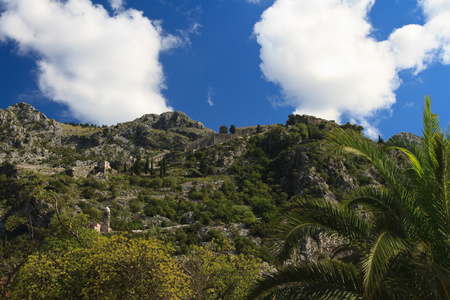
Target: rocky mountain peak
x: 28, y: 136
x: 407, y: 137
x: 307, y: 120
x: 170, y: 120
x: 26, y: 112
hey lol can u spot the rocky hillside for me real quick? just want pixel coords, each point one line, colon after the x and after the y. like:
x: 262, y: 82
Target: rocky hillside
x: 28, y: 136
x: 237, y: 189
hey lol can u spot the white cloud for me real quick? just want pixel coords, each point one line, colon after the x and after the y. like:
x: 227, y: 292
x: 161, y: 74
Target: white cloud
x: 210, y: 94
x: 408, y: 104
x: 117, y: 4
x: 327, y: 63
x: 105, y: 68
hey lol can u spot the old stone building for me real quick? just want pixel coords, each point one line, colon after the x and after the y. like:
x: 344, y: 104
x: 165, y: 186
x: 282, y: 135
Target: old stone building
x: 105, y: 227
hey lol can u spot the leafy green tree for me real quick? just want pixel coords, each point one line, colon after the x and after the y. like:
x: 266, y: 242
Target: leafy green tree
x: 113, y: 268
x: 147, y: 163
x: 68, y: 231
x: 218, y: 274
x: 258, y: 129
x: 232, y: 129
x: 164, y: 164
x: 151, y: 168
x: 138, y: 166
x: 13, y: 255
x: 395, y: 238
x: 162, y: 168
x: 303, y: 130
x: 223, y: 129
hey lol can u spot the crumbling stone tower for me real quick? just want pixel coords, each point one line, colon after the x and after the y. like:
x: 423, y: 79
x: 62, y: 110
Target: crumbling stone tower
x: 106, y: 219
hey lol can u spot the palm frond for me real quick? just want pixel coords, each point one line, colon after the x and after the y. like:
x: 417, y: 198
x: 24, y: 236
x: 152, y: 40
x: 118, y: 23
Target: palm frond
x: 345, y: 141
x: 430, y: 125
x: 381, y: 204
x: 437, y: 207
x: 319, y: 216
x: 326, y: 279
x: 376, y: 264
x: 415, y: 163
x: 373, y: 200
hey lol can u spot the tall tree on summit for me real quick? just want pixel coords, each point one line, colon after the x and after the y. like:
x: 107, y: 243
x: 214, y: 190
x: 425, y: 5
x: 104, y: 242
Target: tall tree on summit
x: 232, y: 129
x: 223, y: 129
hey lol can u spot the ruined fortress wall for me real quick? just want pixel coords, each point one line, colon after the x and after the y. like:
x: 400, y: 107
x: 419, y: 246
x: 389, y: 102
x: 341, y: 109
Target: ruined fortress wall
x: 209, y: 140
x: 159, y: 157
x: 241, y: 131
x: 220, y: 138
x: 205, y: 141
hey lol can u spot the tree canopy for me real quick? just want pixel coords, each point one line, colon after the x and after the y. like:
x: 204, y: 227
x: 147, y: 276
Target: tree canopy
x: 113, y: 268
x: 223, y: 129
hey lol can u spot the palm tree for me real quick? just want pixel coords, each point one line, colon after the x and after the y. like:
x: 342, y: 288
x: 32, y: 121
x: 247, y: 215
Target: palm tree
x: 395, y: 238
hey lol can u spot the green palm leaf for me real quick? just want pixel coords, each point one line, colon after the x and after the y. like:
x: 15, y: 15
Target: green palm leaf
x: 327, y: 279
x: 317, y: 216
x: 376, y: 264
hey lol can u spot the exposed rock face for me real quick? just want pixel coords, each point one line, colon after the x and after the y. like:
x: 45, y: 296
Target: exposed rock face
x: 407, y: 137
x: 28, y: 136
x: 22, y: 124
x: 337, y: 169
x: 171, y: 120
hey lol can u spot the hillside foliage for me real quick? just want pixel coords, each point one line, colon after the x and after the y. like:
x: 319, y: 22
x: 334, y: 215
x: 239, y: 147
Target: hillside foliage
x: 395, y: 238
x: 219, y: 204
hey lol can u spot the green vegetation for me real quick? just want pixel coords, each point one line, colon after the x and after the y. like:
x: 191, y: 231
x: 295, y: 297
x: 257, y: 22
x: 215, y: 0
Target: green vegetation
x: 213, y: 211
x: 112, y: 268
x: 74, y: 262
x: 223, y: 129
x: 232, y: 129
x: 395, y: 238
x: 218, y: 274
x: 80, y: 129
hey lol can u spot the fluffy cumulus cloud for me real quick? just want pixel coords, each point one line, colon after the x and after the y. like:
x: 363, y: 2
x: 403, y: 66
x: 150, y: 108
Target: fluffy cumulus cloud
x: 105, y: 68
x: 323, y: 56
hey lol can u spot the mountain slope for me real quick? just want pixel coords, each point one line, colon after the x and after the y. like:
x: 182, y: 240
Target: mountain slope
x: 237, y: 187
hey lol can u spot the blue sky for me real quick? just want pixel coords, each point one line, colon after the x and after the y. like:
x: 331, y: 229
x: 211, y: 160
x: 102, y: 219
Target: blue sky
x: 226, y: 62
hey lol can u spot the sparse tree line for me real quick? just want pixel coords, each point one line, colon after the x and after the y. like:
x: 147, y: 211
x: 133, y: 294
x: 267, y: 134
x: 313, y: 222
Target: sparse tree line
x: 85, y: 125
x: 224, y: 129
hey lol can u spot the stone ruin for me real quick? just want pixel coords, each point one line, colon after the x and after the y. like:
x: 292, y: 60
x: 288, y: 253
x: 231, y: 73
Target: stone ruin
x: 103, y: 166
x: 220, y: 138
x: 105, y: 227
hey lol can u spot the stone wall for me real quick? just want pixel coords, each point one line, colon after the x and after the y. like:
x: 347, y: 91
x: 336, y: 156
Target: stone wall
x: 159, y: 157
x: 205, y: 141
x: 241, y: 131
x: 220, y: 138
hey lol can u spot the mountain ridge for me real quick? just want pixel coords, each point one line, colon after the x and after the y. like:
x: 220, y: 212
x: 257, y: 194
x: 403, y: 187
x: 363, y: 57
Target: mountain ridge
x: 235, y: 188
